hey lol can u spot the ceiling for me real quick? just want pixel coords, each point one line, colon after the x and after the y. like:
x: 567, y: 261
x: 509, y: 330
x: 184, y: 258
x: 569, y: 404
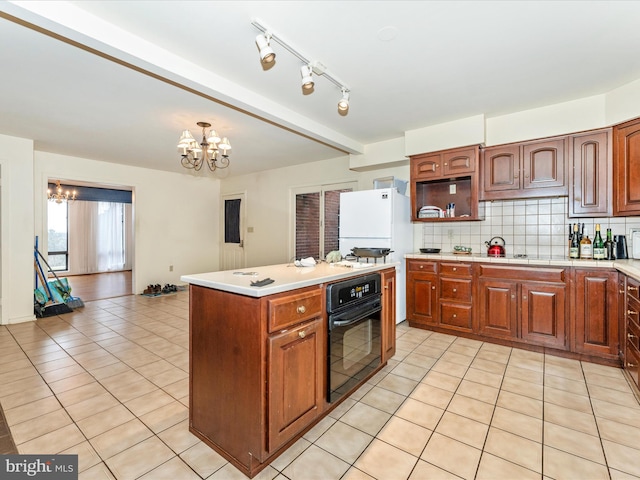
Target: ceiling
x: 119, y: 81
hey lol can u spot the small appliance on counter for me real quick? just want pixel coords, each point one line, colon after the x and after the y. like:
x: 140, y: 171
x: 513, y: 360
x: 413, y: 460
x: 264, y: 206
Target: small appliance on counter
x: 621, y: 247
x: 635, y: 243
x: 495, y: 247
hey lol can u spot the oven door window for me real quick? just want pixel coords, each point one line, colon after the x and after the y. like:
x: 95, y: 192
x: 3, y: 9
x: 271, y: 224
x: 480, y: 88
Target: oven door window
x: 354, y: 352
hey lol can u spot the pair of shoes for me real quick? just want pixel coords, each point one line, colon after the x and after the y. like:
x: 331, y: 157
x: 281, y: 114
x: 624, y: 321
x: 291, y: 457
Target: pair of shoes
x: 169, y: 288
x: 152, y: 290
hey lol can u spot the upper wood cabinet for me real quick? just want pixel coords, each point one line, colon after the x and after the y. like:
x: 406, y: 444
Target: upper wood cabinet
x: 524, y: 170
x: 447, y: 176
x: 626, y: 168
x: 590, y: 172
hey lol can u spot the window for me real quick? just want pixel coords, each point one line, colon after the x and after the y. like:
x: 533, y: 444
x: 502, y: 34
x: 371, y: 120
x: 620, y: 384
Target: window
x: 58, y: 236
x: 316, y: 226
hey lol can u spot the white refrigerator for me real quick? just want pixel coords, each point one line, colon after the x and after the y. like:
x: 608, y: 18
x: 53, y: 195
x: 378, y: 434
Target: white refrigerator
x: 379, y: 218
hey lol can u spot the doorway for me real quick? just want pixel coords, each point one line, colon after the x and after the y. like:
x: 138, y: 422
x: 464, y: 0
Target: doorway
x: 233, y: 219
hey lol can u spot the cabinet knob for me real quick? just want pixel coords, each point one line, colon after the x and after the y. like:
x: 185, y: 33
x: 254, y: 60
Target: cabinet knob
x: 620, y: 291
x: 631, y: 336
x: 302, y: 334
x: 631, y: 365
x: 455, y: 315
x: 632, y: 312
x: 421, y: 266
x: 513, y: 297
x: 433, y: 287
x: 455, y: 290
x: 301, y: 309
x: 516, y: 175
x: 526, y: 175
x: 524, y: 297
x: 455, y: 269
x: 632, y: 288
x: 446, y: 164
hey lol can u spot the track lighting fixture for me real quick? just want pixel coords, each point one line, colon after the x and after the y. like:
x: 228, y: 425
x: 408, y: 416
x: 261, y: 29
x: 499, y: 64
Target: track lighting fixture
x: 343, y: 104
x: 307, y: 81
x: 308, y: 68
x: 267, y: 55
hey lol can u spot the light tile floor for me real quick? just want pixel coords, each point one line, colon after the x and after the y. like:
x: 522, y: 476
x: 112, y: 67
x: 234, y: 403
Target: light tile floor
x: 110, y: 383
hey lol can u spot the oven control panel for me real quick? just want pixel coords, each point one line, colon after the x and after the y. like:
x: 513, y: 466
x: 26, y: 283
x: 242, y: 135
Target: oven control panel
x: 353, y: 290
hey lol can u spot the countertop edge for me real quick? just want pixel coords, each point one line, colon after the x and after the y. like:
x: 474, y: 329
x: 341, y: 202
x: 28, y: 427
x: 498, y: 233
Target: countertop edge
x: 630, y: 267
x: 326, y: 273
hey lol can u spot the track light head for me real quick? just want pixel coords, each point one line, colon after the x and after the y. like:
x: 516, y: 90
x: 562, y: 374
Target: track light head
x: 267, y: 55
x: 307, y: 81
x: 343, y: 104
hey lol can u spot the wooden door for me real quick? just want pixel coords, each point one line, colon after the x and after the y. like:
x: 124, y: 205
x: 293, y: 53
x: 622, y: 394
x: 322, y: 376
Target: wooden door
x: 590, y: 175
x: 544, y: 169
x: 626, y: 169
x: 459, y: 161
x: 295, y: 381
x: 543, y: 314
x: 500, y: 172
x: 426, y: 166
x: 422, y: 298
x: 596, y: 312
x: 388, y: 314
x: 498, y: 307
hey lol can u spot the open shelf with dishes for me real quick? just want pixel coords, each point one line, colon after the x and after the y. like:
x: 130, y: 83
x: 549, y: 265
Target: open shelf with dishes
x: 440, y: 179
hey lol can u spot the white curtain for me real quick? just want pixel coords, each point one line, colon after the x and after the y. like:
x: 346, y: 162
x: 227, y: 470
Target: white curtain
x: 99, y: 237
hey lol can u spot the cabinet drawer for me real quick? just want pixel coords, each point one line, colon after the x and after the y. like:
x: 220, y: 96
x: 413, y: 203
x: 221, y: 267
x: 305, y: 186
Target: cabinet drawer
x: 633, y: 310
x: 291, y: 309
x: 455, y: 289
x: 530, y: 274
x: 455, y: 269
x: 420, y: 266
x: 633, y: 334
x: 632, y: 288
x: 456, y: 316
x: 631, y: 362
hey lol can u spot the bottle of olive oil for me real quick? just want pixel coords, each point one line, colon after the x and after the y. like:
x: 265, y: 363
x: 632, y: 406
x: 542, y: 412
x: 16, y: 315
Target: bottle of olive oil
x: 599, y: 252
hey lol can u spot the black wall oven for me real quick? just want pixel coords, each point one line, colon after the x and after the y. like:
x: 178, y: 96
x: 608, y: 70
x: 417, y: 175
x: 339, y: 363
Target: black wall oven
x: 354, y: 348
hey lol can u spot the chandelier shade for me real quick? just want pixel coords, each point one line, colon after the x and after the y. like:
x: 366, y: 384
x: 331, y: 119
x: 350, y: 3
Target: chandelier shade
x: 195, y: 155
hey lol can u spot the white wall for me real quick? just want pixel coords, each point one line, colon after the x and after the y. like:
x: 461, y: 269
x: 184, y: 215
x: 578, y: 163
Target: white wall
x: 16, y: 229
x: 269, y: 206
x: 176, y: 216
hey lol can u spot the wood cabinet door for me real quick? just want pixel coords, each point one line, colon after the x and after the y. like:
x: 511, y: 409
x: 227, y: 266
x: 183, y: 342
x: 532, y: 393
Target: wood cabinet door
x: 626, y: 169
x: 426, y: 166
x: 388, y: 339
x: 590, y: 175
x: 498, y: 308
x: 459, y: 161
x: 295, y: 381
x: 544, y: 169
x: 543, y: 314
x: 596, y: 312
x: 500, y: 172
x: 422, y: 298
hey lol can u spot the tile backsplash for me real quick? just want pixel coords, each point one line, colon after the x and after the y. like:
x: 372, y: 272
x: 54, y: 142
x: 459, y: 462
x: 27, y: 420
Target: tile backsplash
x: 535, y: 227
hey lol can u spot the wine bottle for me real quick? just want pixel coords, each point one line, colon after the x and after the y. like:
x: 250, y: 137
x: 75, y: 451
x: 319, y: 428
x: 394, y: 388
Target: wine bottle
x: 609, y: 246
x: 586, y: 248
x: 574, y: 249
x: 599, y: 252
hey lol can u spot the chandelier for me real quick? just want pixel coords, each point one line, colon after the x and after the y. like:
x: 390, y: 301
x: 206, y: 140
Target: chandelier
x: 195, y: 154
x: 59, y: 195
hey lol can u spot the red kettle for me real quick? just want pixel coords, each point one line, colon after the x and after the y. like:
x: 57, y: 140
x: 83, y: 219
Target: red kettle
x: 495, y: 247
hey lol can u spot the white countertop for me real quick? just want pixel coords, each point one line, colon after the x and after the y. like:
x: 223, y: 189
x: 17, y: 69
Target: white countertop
x: 631, y: 267
x: 286, y: 277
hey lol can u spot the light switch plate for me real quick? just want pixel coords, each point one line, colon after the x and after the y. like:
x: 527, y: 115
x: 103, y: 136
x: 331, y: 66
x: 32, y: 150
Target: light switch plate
x: 452, y: 189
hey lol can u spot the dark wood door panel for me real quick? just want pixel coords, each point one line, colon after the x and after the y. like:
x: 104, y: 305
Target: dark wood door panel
x: 543, y: 314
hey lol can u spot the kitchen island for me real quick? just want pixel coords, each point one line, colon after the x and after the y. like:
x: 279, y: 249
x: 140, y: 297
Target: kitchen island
x: 258, y: 355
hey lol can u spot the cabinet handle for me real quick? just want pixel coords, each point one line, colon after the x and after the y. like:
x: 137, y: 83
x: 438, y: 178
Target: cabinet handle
x: 302, y: 334
x: 631, y: 365
x: 631, y: 335
x: 301, y: 309
x: 631, y: 288
x: 632, y: 312
x: 620, y: 291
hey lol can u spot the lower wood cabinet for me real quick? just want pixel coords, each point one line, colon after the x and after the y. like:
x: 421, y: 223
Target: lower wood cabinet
x: 295, y: 379
x: 596, y: 312
x: 388, y: 321
x: 422, y: 293
x: 629, y: 316
x: 524, y: 304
